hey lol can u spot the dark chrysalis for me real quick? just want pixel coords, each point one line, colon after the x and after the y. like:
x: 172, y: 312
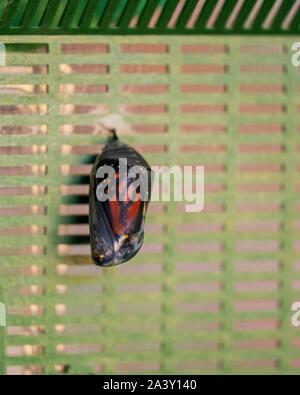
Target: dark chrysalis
x: 118, y: 202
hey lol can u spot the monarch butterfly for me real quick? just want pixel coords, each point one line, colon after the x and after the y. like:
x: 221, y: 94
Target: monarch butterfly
x: 117, y: 218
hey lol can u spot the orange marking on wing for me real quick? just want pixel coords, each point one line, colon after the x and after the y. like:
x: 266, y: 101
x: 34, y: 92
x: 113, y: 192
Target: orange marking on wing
x: 115, y: 212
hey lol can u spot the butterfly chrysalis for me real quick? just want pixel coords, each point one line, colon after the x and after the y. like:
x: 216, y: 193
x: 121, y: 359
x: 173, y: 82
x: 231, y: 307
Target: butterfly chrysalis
x: 120, y: 190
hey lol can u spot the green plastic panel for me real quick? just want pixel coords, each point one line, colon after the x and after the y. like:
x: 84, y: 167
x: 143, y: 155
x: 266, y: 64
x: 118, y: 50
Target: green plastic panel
x: 118, y: 17
x: 211, y: 292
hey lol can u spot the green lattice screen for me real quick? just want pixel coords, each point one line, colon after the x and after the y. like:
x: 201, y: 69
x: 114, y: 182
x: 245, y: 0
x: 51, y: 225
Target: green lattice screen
x: 117, y: 17
x: 211, y: 292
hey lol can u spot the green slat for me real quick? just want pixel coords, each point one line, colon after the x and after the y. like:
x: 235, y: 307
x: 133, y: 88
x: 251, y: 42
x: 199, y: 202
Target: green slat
x: 242, y: 17
x: 29, y: 13
x: 37, y: 15
x: 205, y: 15
x: 167, y: 13
x: 259, y: 20
x: 88, y: 14
x: 186, y: 13
x: 17, y: 19
x: 128, y: 14
x: 281, y: 15
x: 295, y: 26
x: 9, y: 13
x: 147, y: 14
x: 68, y: 14
x: 223, y: 17
x: 49, y: 14
x: 118, y: 14
x: 109, y: 13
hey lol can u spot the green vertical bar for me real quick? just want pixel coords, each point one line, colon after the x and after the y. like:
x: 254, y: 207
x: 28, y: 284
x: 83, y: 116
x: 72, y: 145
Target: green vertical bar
x: 204, y: 16
x: 281, y: 15
x: 169, y: 279
x: 88, y: 14
x: 109, y: 13
x: 294, y: 27
x: 288, y: 235
x: 128, y: 14
x: 263, y: 12
x: 68, y: 15
x: 29, y: 13
x: 229, y: 254
x: 167, y: 13
x: 9, y: 13
x: 244, y: 13
x: 186, y: 14
x: 52, y: 201
x: 49, y: 15
x: 147, y: 14
x: 2, y: 333
x: 226, y: 11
